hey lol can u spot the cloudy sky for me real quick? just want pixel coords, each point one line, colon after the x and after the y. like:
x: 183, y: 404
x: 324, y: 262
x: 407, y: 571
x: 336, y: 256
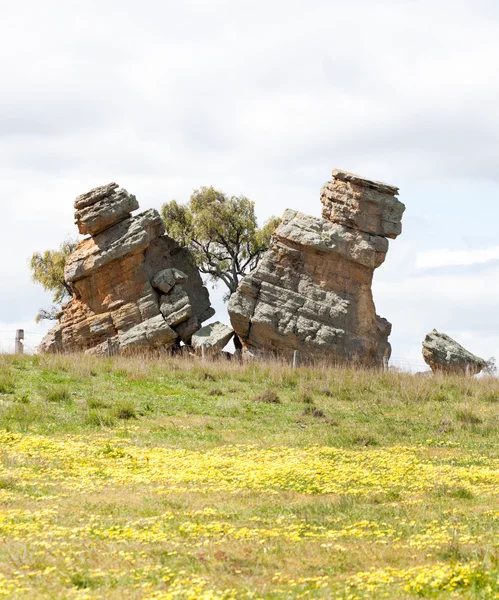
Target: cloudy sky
x: 263, y: 98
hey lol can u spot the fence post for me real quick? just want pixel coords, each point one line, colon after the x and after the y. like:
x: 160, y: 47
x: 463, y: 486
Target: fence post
x: 203, y: 351
x: 385, y: 363
x: 19, y: 346
x: 295, y: 359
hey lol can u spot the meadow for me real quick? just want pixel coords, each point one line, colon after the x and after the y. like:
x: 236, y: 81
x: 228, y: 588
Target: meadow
x: 176, y: 478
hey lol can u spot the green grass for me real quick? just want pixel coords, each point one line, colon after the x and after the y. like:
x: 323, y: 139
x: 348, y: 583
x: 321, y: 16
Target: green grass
x: 174, y: 478
x: 239, y: 402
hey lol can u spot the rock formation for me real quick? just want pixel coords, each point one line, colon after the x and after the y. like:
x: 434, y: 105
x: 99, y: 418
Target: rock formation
x: 214, y: 337
x: 133, y: 287
x: 445, y: 355
x: 311, y: 291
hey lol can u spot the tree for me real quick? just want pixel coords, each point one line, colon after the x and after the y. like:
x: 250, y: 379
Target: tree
x: 491, y: 367
x: 222, y: 233
x: 47, y: 269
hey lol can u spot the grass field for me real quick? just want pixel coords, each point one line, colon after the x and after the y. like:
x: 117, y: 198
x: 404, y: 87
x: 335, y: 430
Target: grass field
x: 135, y: 478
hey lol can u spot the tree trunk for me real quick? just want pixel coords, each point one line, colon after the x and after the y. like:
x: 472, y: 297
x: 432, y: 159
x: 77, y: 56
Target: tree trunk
x: 237, y: 342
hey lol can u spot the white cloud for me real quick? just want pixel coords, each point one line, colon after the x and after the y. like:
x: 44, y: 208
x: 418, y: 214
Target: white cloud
x: 262, y: 98
x: 446, y: 257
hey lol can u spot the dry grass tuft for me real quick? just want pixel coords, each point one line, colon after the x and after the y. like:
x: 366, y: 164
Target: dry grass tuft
x: 468, y: 417
x: 268, y: 397
x: 7, y: 385
x: 313, y: 411
x: 56, y: 392
x: 125, y: 410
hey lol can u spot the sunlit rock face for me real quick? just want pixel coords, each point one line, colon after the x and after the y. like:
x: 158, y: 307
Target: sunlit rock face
x: 312, y: 291
x: 133, y: 287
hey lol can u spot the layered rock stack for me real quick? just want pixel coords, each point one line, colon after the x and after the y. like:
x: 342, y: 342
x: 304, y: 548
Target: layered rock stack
x: 133, y: 287
x: 311, y: 291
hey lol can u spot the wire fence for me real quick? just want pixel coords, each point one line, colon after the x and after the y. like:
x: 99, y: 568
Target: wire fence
x: 410, y: 365
x: 29, y: 340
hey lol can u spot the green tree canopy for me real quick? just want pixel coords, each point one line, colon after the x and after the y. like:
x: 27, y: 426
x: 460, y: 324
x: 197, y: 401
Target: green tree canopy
x: 222, y: 233
x: 47, y: 269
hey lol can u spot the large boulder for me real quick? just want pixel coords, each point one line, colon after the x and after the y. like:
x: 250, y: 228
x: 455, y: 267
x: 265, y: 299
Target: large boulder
x: 445, y: 355
x: 101, y: 207
x: 214, y: 337
x: 133, y: 287
x: 311, y: 291
x: 362, y: 204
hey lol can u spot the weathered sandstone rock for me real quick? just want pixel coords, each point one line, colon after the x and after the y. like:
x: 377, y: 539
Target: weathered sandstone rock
x: 312, y: 289
x: 214, y: 336
x: 445, y: 355
x: 134, y: 287
x: 362, y: 204
x: 165, y: 280
x: 104, y: 206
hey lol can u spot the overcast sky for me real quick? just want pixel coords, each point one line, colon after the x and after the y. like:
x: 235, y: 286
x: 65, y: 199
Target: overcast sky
x: 263, y: 98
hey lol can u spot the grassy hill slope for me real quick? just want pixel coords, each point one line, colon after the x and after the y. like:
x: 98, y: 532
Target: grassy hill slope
x: 135, y: 478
